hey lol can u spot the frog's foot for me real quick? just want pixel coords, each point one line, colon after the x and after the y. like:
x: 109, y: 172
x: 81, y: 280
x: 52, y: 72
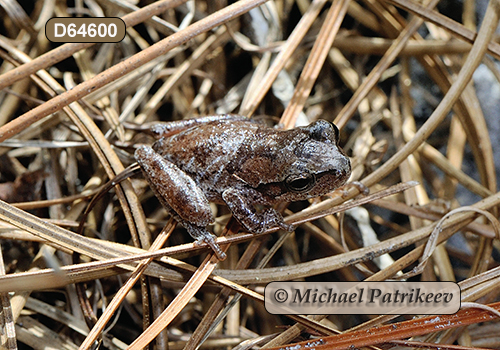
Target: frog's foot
x: 201, y: 235
x: 212, y: 243
x: 273, y: 218
x: 246, y: 214
x: 260, y: 222
x: 359, y: 185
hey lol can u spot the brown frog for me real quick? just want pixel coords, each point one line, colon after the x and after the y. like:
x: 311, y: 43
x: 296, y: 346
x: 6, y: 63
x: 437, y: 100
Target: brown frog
x: 235, y: 161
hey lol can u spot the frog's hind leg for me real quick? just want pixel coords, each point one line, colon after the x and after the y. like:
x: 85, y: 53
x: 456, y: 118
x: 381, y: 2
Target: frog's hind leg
x: 179, y: 195
x: 174, y: 188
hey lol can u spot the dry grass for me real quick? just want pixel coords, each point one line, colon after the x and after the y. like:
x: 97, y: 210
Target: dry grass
x: 71, y: 115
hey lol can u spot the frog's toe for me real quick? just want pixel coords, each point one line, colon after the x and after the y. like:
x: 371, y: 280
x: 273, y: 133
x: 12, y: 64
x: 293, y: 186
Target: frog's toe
x: 212, y: 243
x: 358, y: 185
x: 273, y: 218
x: 287, y: 227
x: 210, y: 240
x: 202, y: 236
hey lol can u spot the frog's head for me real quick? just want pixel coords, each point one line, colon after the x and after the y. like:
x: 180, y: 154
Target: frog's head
x: 319, y: 165
x: 298, y: 164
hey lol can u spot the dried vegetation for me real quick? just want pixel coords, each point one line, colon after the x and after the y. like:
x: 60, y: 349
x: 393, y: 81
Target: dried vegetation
x: 394, y: 75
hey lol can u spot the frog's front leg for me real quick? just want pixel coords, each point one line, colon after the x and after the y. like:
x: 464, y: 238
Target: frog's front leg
x: 245, y: 212
x: 179, y: 194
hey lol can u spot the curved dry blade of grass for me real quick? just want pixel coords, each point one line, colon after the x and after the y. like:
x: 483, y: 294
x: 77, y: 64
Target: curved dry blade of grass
x: 64, y: 51
x: 283, y: 56
x: 438, y: 19
x: 125, y: 289
x: 376, y: 73
x: 122, y: 68
x: 390, y: 139
x: 473, y: 59
x: 9, y: 338
x: 180, y: 301
x: 400, y: 330
x: 121, y: 255
x: 315, y: 61
x: 105, y: 153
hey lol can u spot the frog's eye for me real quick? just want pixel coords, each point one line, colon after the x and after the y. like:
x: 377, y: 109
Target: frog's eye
x: 300, y: 183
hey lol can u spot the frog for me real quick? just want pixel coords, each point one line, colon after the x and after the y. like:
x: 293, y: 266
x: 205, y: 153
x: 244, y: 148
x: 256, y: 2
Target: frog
x: 242, y: 163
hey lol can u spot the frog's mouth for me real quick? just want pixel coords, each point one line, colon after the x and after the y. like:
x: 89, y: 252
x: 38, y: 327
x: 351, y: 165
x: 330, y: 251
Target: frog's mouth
x: 328, y: 181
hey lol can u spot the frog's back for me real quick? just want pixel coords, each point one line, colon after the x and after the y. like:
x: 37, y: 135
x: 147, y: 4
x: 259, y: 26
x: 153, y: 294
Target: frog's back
x: 204, y: 151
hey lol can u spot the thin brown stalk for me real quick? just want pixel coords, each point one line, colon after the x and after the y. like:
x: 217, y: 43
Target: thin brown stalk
x: 124, y: 67
x: 315, y: 61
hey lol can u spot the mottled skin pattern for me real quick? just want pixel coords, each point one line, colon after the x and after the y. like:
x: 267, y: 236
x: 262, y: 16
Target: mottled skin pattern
x: 240, y: 163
